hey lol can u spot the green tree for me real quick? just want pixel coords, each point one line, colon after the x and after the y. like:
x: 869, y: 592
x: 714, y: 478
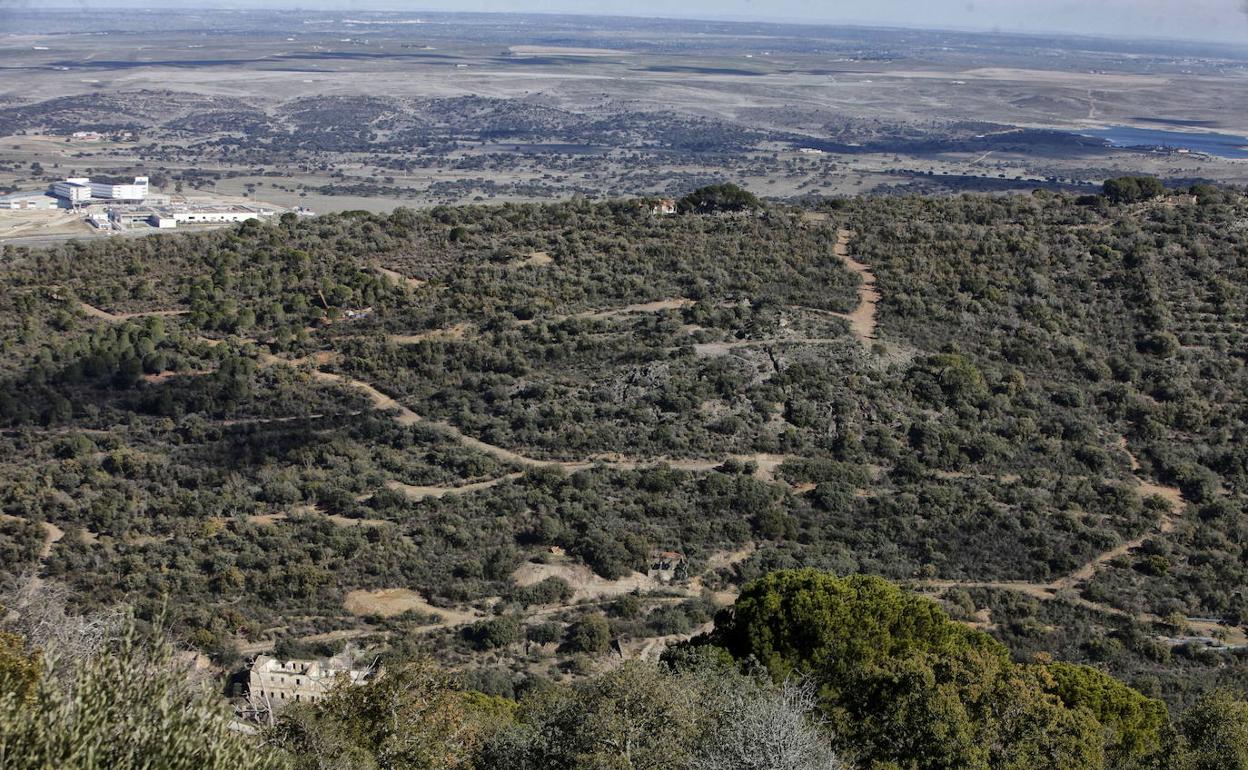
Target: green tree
x: 808, y: 621
x: 127, y: 707
x: 717, y: 199
x: 413, y: 717
x: 590, y: 634
x: 1135, y: 726
x: 1215, y: 732
x: 904, y: 686
x: 1133, y: 189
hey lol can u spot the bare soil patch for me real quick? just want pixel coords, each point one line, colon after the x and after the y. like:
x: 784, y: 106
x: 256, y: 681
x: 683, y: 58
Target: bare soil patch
x: 456, y: 332
x: 399, y: 278
x: 425, y: 493
x: 585, y: 583
x: 536, y: 259
x: 389, y: 602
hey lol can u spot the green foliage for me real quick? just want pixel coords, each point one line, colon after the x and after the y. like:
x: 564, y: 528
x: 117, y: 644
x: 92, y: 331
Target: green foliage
x: 492, y: 634
x: 646, y: 717
x: 806, y: 621
x: 20, y: 668
x: 551, y: 590
x: 718, y: 199
x: 411, y: 718
x: 634, y: 717
x: 1215, y: 731
x: 591, y: 634
x: 978, y: 439
x: 905, y: 686
x: 20, y: 542
x: 1133, y: 189
x: 128, y: 707
x: 1137, y: 727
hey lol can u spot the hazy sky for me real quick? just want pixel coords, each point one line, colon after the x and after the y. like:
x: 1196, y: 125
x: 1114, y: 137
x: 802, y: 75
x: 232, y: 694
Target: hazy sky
x: 1223, y: 20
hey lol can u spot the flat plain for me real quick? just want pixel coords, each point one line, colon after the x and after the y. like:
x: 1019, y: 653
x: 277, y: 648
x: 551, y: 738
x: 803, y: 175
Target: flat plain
x: 372, y: 111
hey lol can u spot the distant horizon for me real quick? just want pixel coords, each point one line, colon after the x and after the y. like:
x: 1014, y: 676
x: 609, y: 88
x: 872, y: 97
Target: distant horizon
x: 1190, y: 21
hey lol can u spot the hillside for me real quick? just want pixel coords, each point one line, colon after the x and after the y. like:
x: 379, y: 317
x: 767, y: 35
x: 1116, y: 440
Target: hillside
x: 409, y: 429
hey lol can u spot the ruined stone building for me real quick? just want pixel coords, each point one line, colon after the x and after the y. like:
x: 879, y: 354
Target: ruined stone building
x: 275, y: 683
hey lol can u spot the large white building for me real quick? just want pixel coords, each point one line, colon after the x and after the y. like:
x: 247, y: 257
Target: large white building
x: 79, y: 190
x: 74, y: 190
x: 108, y: 191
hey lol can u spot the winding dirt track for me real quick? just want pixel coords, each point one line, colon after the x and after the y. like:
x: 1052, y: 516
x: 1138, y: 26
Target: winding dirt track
x: 104, y: 315
x: 863, y: 320
x: 1067, y: 584
x: 864, y: 326
x: 52, y: 534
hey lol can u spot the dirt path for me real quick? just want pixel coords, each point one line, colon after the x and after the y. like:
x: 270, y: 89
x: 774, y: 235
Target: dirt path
x: 658, y: 306
x: 461, y: 331
x: 534, y: 259
x: 652, y: 649
x: 862, y: 320
x: 255, y: 648
x: 721, y: 349
x: 379, y: 400
x: 585, y: 583
x: 400, y: 279
x: 389, y: 602
x: 52, y: 535
x: 1169, y: 521
x: 1067, y: 584
x: 766, y: 463
x: 104, y: 315
x: 437, y: 493
x: 640, y: 308
x: 456, y: 332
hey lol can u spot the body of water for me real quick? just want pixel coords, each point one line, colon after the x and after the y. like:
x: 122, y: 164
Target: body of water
x: 1222, y: 145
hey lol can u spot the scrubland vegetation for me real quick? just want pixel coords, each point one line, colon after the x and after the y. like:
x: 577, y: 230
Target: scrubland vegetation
x: 805, y: 672
x: 506, y: 412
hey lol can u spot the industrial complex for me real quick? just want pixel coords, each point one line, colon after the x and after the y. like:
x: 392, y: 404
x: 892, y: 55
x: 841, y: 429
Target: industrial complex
x: 110, y: 204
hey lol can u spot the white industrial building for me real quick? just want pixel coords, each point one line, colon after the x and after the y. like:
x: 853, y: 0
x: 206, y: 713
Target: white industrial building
x: 165, y: 217
x: 214, y: 215
x: 79, y: 190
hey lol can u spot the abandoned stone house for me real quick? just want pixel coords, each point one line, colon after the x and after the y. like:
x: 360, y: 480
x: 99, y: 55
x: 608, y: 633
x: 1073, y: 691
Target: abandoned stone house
x: 275, y: 683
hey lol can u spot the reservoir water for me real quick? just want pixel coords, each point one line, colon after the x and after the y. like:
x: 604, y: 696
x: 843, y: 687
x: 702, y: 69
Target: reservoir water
x: 1222, y: 145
